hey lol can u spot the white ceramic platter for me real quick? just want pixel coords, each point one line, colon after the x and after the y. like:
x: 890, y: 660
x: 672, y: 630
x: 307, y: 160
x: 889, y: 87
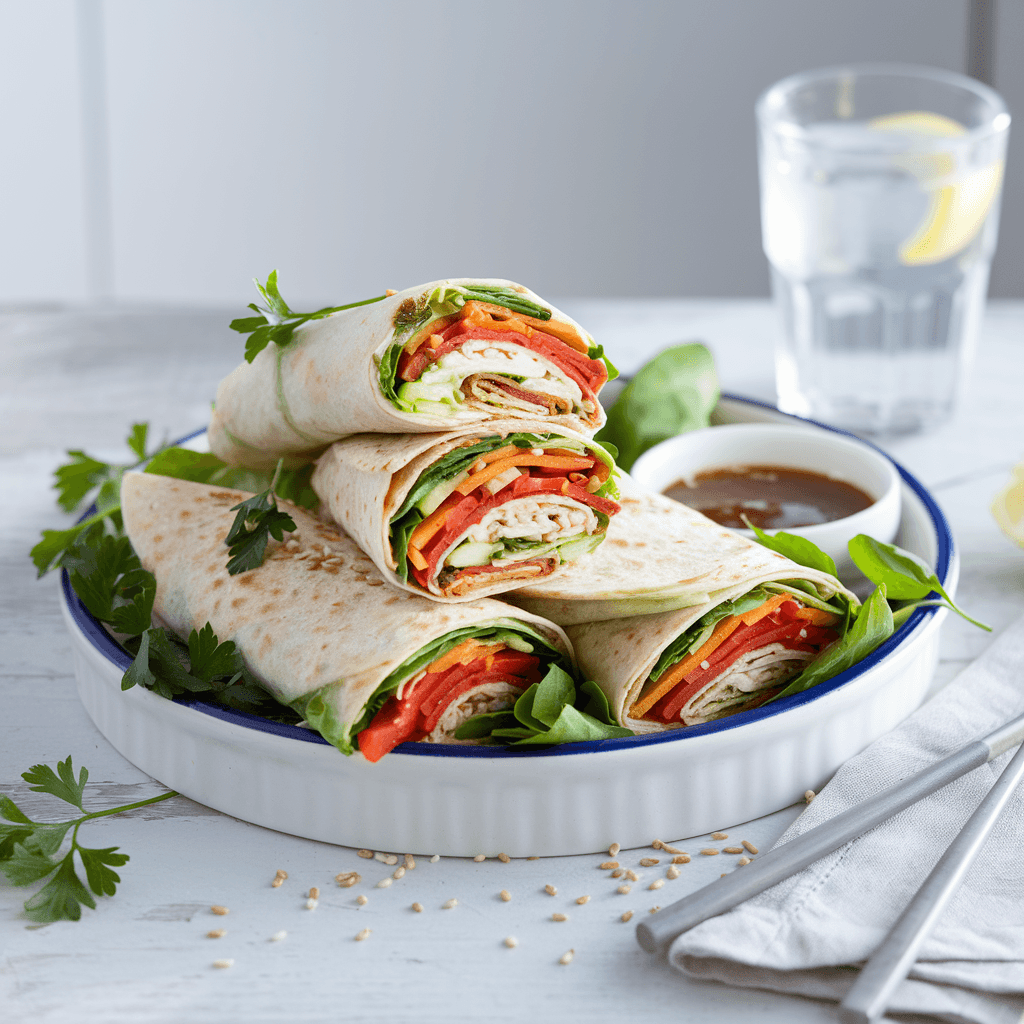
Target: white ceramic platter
x: 578, y: 798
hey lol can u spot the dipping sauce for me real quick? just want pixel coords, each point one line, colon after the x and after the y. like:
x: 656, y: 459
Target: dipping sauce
x: 771, y: 497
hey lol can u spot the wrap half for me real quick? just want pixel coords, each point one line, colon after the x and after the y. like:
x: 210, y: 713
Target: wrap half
x: 475, y: 511
x: 425, y: 359
x: 364, y: 664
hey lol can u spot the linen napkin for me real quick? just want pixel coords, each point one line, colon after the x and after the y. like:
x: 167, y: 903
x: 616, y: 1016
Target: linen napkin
x: 807, y: 934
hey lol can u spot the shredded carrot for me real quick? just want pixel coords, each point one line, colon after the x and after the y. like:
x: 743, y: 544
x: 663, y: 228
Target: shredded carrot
x: 462, y: 654
x: 427, y: 529
x: 498, y: 318
x: 758, y: 613
x: 816, y: 617
x: 417, y: 559
x: 471, y: 483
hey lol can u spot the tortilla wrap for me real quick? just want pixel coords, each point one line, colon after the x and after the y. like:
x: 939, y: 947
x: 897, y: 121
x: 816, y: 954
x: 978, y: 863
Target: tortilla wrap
x: 314, y: 621
x: 292, y: 402
x: 659, y: 555
x: 364, y: 480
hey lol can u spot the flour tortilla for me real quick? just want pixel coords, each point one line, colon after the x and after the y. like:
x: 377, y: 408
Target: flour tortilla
x: 659, y: 555
x: 305, y: 622
x: 363, y: 480
x: 292, y: 402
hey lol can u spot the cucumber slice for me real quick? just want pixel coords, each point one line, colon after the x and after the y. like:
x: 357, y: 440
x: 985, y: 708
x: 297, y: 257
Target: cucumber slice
x: 434, y: 498
x: 472, y: 553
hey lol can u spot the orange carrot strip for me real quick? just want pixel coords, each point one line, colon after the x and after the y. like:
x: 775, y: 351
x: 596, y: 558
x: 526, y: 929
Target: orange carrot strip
x: 428, y: 528
x: 471, y: 483
x: 462, y: 654
x: 416, y: 557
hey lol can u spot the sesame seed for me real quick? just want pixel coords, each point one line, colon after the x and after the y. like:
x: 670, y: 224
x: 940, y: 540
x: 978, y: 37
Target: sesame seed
x: 388, y: 292
x: 626, y: 916
x: 654, y: 910
x: 410, y: 862
x: 648, y: 862
x: 281, y: 873
x: 362, y: 900
x: 582, y: 899
x: 364, y: 934
x: 681, y: 858
x: 348, y: 878
x: 505, y: 895
x: 221, y: 911
x: 618, y: 873
x: 623, y: 889
x: 803, y: 633
x: 399, y: 872
x: 673, y: 872
x: 435, y: 858
x: 223, y: 963
x: 732, y: 849
x: 480, y: 858
x: 671, y: 849
x: 657, y: 883
x: 391, y: 860
x: 384, y: 883
x: 710, y: 852
x: 314, y: 893
x: 450, y: 904
x: 657, y: 844
x: 809, y: 795
x: 705, y: 665
x: 278, y: 936
x: 567, y: 957
x: 536, y: 451
x: 366, y: 854
x: 418, y: 907
x: 511, y: 942
x: 743, y: 860
x: 633, y: 876
x: 277, y: 883
x: 550, y: 890
x: 719, y: 835
x: 607, y: 865
x: 750, y: 847
x: 311, y: 904
x: 613, y: 850
x: 217, y: 933
x: 504, y: 858
x: 559, y: 917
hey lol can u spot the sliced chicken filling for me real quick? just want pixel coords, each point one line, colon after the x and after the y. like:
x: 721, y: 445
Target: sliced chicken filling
x: 481, y: 700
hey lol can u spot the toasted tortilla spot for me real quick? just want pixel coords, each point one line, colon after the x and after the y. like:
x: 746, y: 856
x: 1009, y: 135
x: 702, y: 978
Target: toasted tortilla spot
x: 266, y: 643
x: 219, y: 582
x: 158, y: 538
x: 619, y: 542
x: 185, y: 513
x: 238, y: 602
x: 393, y: 600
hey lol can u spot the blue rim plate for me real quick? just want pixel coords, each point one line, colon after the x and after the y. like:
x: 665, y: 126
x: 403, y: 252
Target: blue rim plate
x: 111, y: 650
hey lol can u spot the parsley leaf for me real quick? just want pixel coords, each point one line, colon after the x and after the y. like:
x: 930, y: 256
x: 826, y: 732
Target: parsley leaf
x: 277, y: 321
x: 29, y: 849
x: 258, y: 519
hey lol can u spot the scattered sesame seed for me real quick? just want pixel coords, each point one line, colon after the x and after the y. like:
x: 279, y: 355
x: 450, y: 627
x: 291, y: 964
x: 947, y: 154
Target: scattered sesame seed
x: 480, y: 858
x: 533, y: 451
x: 364, y: 934
x: 681, y: 858
x: 607, y: 865
x: 399, y: 873
x: 657, y: 844
x: 723, y: 874
x: 384, y: 883
x: 550, y: 890
x: 217, y: 933
x: 277, y: 883
x: 750, y: 847
x: 281, y: 873
x: 671, y: 849
x: 710, y: 852
x: 626, y: 916
x: 559, y: 917
x: 618, y: 873
x: 809, y: 795
x: 657, y: 883
x: 511, y: 942
x: 648, y: 862
x: 410, y: 862
x: 223, y: 963
x: 803, y: 633
x: 623, y: 889
x: 362, y: 900
x: 632, y: 876
x: 348, y: 878
x: 505, y: 895
x: 391, y: 860
x: 450, y: 904
x: 719, y: 835
x: 314, y: 893
x: 673, y: 872
x: 312, y: 904
x: 418, y: 907
x: 221, y: 911
x: 732, y: 849
x: 567, y: 957
x: 705, y: 665
x: 743, y: 860
x: 504, y: 858
x: 388, y: 292
x: 613, y: 850
x: 654, y: 910
x: 366, y: 854
x: 435, y: 858
x: 278, y: 936
x: 582, y: 899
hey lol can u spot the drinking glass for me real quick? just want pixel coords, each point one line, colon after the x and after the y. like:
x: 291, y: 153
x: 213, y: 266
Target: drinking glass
x: 880, y: 193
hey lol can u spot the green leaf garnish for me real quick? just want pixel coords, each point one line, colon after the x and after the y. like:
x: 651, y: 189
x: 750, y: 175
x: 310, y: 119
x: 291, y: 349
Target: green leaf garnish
x: 276, y: 321
x: 258, y: 519
x: 795, y: 548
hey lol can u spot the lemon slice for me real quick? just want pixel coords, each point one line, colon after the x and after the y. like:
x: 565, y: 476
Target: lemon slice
x: 1008, y: 507
x: 955, y: 213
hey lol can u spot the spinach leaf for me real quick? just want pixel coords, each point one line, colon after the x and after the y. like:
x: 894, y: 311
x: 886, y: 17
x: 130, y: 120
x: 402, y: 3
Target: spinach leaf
x: 797, y: 549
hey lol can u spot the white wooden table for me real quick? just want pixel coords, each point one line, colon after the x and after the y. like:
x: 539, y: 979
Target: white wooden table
x: 78, y: 379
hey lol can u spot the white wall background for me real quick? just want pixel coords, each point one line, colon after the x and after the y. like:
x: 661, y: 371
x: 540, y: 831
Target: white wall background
x: 169, y: 150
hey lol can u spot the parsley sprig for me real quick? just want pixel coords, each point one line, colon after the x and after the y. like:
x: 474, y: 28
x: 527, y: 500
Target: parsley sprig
x: 276, y: 321
x: 258, y: 519
x: 29, y: 849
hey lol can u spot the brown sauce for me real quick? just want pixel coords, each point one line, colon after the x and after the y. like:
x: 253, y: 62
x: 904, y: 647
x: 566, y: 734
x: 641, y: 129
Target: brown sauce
x: 771, y: 497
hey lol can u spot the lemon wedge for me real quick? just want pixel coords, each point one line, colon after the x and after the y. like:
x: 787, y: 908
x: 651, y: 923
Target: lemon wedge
x: 1008, y: 507
x: 955, y: 213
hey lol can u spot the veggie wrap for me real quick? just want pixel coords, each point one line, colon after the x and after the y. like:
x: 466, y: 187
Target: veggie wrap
x: 425, y: 359
x: 660, y: 555
x: 364, y: 664
x: 474, y: 511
